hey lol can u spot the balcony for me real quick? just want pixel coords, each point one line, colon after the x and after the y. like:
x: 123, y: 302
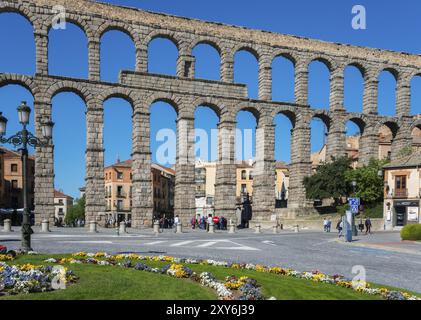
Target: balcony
x: 400, y: 194
x: 121, y: 194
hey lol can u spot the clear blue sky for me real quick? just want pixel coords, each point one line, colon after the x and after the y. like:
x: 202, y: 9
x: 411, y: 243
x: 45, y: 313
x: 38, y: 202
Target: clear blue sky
x: 389, y: 26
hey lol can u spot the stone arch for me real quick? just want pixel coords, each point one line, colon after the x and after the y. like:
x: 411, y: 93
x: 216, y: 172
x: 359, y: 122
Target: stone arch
x: 327, y: 61
x: 393, y: 71
x: 324, y: 116
x: 287, y: 111
x: 69, y: 86
x: 390, y: 123
x: 248, y: 48
x: 416, y: 124
x: 120, y: 93
x: 357, y: 65
x: 208, y: 41
x: 80, y: 22
x: 284, y: 54
x: 359, y: 120
x: 256, y: 112
x: 21, y: 10
x: 211, y: 103
x: 173, y: 100
x: 22, y: 80
x: 118, y: 26
x: 171, y: 36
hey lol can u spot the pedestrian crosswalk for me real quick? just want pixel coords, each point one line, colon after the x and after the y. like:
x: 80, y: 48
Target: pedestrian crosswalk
x: 200, y: 244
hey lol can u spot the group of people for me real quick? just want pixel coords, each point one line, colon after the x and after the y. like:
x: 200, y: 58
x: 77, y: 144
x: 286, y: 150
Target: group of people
x: 113, y: 223
x: 367, y: 224
x: 203, y: 223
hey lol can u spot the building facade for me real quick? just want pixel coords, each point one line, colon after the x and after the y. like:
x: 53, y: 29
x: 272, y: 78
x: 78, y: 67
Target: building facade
x: 2, y: 182
x: 12, y: 180
x: 402, y: 180
x: 119, y: 190
x: 62, y: 203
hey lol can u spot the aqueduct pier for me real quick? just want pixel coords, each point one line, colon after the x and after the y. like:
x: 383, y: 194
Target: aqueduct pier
x: 225, y: 97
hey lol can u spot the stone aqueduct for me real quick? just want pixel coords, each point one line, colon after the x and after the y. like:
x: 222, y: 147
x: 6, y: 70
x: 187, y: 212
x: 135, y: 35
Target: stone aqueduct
x: 185, y: 93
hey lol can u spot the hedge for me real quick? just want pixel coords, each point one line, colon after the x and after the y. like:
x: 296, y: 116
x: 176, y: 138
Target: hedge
x: 411, y: 232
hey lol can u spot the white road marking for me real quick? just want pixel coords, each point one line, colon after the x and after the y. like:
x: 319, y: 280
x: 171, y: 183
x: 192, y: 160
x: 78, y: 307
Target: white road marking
x: 179, y: 244
x: 269, y: 242
x: 206, y: 244
x: 154, y: 242
x: 92, y: 242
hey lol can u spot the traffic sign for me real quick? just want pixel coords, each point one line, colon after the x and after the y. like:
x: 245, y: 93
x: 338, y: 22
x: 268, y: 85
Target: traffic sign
x: 354, y: 201
x: 354, y: 208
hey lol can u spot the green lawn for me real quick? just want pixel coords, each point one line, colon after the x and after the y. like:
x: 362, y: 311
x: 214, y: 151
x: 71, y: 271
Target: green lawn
x: 114, y: 283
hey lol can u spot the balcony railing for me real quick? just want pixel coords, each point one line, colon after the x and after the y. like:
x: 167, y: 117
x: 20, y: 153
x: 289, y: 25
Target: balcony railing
x: 400, y: 194
x: 121, y: 194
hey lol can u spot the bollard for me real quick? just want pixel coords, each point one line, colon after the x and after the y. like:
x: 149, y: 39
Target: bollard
x: 93, y: 227
x: 211, y: 228
x: 45, y: 226
x: 156, y: 227
x: 179, y: 228
x: 123, y: 227
x: 275, y: 229
x: 257, y: 228
x: 297, y: 228
x: 231, y: 228
x: 7, y: 225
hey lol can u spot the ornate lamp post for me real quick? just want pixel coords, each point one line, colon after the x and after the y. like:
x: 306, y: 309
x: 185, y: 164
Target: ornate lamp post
x: 22, y: 139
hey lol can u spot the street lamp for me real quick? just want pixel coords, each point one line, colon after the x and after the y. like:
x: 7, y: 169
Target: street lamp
x: 22, y: 139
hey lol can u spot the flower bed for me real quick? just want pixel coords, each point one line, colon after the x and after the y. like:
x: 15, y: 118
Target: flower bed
x: 28, y: 278
x: 208, y: 280
x: 248, y: 289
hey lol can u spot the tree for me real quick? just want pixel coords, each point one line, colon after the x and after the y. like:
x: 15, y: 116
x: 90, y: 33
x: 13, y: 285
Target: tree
x: 370, y: 186
x: 77, y: 211
x: 329, y: 180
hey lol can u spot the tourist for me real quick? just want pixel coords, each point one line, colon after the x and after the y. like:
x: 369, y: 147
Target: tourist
x: 176, y: 220
x: 367, y: 225
x: 193, y: 222
x: 361, y: 225
x: 325, y: 225
x: 209, y: 222
x: 238, y: 215
x: 329, y: 225
x: 339, y: 227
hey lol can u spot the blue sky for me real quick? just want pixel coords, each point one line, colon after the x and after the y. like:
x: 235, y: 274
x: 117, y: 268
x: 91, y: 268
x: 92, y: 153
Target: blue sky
x: 389, y: 26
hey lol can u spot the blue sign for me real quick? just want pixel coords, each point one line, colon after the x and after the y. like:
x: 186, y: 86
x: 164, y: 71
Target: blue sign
x: 355, y: 208
x: 354, y: 201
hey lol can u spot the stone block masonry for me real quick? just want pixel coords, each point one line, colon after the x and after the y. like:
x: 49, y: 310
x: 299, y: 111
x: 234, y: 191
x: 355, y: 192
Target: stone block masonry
x: 185, y: 93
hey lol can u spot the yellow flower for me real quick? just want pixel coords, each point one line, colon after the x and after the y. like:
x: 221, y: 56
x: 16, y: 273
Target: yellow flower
x: 79, y: 255
x: 5, y: 257
x: 235, y: 266
x: 28, y: 266
x: 99, y: 255
x: 260, y: 268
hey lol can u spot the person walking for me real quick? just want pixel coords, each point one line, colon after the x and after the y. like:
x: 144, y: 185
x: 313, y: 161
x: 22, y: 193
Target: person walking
x: 329, y: 225
x: 367, y: 225
x: 325, y: 225
x: 340, y: 226
x: 193, y: 222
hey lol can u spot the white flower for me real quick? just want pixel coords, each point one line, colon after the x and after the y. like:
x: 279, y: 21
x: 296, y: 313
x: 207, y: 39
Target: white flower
x: 50, y: 260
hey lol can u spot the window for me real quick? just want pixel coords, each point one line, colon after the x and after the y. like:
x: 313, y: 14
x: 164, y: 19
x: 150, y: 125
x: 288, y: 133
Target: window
x: 14, y: 184
x: 400, y: 186
x: 60, y: 210
x: 243, y: 175
x: 14, y: 167
x: 60, y: 202
x: 251, y: 175
x: 243, y: 188
x: 120, y: 175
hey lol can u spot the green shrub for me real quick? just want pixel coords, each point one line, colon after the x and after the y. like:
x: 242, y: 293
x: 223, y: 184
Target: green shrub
x: 411, y: 232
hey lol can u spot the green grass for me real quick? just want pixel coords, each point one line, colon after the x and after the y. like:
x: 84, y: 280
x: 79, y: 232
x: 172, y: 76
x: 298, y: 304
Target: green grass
x: 115, y: 283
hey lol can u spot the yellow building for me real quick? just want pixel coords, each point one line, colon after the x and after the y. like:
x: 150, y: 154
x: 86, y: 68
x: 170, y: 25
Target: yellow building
x: 205, y: 176
x: 402, y: 181
x: 62, y: 203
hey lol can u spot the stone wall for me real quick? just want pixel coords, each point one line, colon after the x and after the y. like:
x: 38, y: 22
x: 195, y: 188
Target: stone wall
x: 185, y: 93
